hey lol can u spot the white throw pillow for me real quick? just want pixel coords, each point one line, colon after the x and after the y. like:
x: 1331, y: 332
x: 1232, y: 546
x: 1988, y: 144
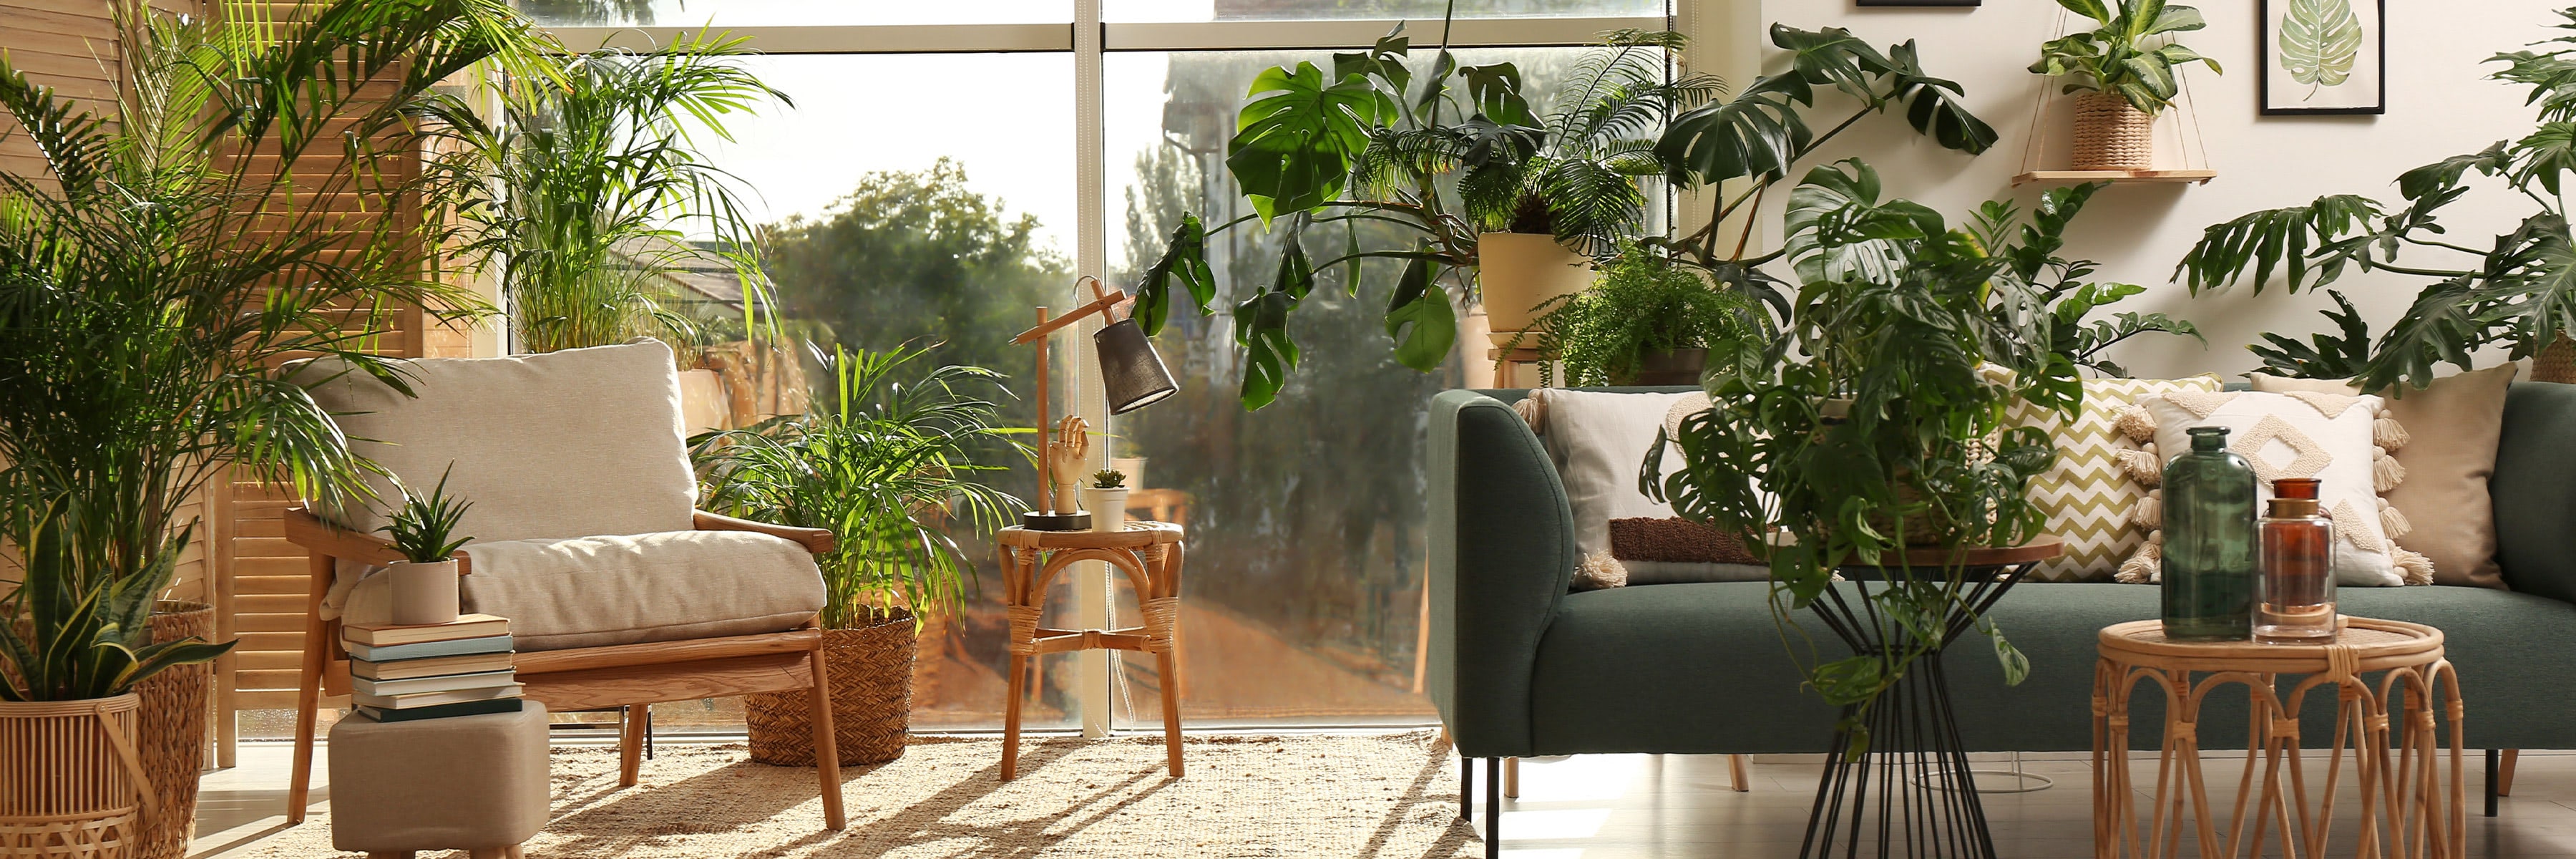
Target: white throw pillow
x: 1599, y: 441
x: 2339, y: 439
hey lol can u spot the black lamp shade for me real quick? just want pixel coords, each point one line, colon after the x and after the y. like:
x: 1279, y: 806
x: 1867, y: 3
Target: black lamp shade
x: 1131, y: 373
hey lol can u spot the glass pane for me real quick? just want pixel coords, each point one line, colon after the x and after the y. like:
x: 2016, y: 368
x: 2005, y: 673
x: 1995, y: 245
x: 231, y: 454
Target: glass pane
x: 1318, y: 10
x: 1307, y: 553
x: 789, y: 13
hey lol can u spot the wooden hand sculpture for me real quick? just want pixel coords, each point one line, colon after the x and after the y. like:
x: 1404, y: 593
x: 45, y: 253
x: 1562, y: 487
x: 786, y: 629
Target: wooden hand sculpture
x: 1065, y: 455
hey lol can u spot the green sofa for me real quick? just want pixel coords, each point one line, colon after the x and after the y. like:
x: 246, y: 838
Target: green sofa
x: 1520, y: 667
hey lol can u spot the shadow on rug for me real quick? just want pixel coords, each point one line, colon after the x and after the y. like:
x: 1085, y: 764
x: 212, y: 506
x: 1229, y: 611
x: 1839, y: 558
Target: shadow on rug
x: 1374, y: 796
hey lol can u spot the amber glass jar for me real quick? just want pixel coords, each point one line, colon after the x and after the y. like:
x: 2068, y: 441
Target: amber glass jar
x: 2298, y: 603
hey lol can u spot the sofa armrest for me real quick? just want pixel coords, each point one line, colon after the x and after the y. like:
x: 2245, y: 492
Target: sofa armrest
x: 1502, y: 556
x: 2535, y: 490
x: 323, y: 537
x: 815, y: 540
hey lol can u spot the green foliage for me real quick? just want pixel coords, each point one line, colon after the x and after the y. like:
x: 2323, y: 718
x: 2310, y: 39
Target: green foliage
x: 2325, y: 356
x: 591, y: 186
x: 150, y: 280
x: 2518, y: 291
x: 1874, y: 417
x: 886, y: 465
x: 2319, y: 41
x: 1109, y: 478
x: 1643, y: 303
x: 2059, y: 283
x: 2118, y: 57
x: 423, y: 529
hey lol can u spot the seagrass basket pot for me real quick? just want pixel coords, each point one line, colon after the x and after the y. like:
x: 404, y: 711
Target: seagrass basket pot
x: 2111, y: 134
x: 870, y: 673
x: 71, y: 783
x: 2556, y: 361
x: 172, y: 729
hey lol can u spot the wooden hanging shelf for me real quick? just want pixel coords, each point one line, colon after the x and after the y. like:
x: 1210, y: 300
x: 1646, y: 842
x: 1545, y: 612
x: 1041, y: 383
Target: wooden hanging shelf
x: 2196, y: 177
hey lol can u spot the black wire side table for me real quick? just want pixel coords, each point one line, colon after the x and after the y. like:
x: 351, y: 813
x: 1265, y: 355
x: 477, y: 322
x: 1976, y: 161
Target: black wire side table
x: 1908, y: 790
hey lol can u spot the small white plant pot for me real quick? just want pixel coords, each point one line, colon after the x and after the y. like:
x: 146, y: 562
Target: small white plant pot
x: 1108, y: 508
x: 423, y: 593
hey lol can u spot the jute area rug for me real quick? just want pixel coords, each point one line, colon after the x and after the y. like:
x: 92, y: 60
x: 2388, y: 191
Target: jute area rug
x: 1390, y: 795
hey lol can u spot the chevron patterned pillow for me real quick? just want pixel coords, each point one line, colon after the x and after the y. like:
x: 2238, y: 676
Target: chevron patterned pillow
x: 2087, y: 496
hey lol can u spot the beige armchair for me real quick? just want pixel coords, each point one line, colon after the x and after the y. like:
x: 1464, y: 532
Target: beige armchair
x: 586, y: 536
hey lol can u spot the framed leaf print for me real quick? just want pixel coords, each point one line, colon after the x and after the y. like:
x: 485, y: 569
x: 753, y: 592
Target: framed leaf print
x: 2324, y: 57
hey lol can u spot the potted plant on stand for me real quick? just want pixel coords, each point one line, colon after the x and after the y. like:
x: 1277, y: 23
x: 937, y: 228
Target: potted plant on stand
x: 144, y: 286
x: 1106, y: 498
x: 893, y: 459
x: 424, y: 531
x: 2123, y: 74
x: 1867, y: 439
x: 1647, y: 321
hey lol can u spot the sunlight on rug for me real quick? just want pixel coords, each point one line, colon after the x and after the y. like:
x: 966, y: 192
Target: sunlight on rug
x: 1383, y: 795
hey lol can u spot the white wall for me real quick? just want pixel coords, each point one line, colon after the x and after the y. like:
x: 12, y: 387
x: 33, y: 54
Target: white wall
x: 2438, y: 105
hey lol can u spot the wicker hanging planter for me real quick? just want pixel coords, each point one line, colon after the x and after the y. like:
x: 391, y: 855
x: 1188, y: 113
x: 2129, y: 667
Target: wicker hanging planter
x: 2556, y: 361
x: 71, y: 784
x: 871, y: 678
x: 2111, y: 134
x: 172, y: 727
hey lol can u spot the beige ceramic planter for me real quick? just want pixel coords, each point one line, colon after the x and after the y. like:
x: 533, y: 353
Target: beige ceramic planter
x: 1520, y: 271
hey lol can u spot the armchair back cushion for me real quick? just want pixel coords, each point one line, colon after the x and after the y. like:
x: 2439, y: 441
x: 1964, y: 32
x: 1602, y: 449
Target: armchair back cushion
x: 577, y: 443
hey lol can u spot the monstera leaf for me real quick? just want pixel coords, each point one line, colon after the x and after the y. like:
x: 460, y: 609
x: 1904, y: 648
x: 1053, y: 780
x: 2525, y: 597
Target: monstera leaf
x: 2319, y: 41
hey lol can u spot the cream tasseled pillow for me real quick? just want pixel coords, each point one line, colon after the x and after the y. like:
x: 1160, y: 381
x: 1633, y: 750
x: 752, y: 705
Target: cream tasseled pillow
x: 2346, y: 441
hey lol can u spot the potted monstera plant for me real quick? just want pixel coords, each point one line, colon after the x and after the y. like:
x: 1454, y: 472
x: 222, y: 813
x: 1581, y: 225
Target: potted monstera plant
x: 2122, y: 73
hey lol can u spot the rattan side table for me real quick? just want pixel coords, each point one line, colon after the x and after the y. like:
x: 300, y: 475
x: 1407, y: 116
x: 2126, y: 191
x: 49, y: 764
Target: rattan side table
x: 2409, y: 808
x: 1149, y: 553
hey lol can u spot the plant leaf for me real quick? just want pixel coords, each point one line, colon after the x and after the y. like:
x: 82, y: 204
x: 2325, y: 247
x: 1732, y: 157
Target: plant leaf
x: 2319, y: 41
x: 1295, y: 142
x: 1261, y: 327
x: 1186, y: 259
x: 1420, y: 319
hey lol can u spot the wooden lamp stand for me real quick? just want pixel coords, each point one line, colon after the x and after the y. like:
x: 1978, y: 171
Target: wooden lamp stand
x: 1060, y: 455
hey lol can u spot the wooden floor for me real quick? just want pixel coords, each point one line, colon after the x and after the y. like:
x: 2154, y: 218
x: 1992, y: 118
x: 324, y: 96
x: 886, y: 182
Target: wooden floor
x: 1623, y: 806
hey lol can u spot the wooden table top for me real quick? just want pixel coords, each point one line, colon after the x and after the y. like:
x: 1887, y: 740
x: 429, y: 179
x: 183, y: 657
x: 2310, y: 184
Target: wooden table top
x: 2375, y: 644
x: 1137, y: 534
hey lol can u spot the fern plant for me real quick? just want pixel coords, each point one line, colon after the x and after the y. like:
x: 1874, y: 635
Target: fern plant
x: 1582, y: 182
x: 2517, y: 292
x: 1641, y: 304
x: 423, y: 529
x: 2122, y: 56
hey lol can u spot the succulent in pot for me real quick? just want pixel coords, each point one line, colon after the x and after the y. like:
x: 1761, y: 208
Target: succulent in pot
x: 423, y: 529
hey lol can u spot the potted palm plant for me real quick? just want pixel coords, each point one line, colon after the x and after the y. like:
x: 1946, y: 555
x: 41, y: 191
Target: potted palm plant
x: 2122, y: 73
x: 146, y: 288
x: 895, y: 456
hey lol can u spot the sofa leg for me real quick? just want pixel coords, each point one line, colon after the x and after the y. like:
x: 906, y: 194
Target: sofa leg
x: 1493, y: 808
x: 2492, y: 767
x: 1512, y: 777
x: 1737, y: 770
x: 1466, y: 788
x: 2504, y: 775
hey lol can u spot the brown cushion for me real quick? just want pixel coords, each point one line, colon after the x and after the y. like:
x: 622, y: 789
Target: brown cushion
x: 1675, y: 540
x: 2455, y: 425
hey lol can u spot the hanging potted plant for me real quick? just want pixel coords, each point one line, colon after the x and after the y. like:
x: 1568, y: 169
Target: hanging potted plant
x: 131, y: 379
x: 2123, y: 74
x: 1648, y: 321
x: 897, y: 455
x: 423, y: 529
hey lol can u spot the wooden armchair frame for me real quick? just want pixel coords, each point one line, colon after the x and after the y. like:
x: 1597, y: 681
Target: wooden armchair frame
x: 588, y: 677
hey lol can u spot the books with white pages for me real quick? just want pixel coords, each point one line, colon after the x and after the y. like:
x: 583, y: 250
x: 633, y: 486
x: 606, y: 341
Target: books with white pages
x: 438, y: 683
x: 471, y: 663
x: 455, y: 647
x: 387, y: 635
x: 425, y: 699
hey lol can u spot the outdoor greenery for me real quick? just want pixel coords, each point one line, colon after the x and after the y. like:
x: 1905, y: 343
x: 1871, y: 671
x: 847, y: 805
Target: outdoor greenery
x: 149, y: 281
x: 1875, y: 421
x: 2123, y: 57
x: 581, y: 195
x: 423, y: 529
x: 1641, y: 304
x: 2518, y: 291
x: 888, y: 465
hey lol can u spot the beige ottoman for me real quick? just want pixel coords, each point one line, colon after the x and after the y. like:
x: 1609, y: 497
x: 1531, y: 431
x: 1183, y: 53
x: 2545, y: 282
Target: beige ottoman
x: 473, y: 783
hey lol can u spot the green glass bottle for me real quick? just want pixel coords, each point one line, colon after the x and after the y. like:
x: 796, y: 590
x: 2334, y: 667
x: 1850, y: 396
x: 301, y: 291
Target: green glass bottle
x: 2210, y: 541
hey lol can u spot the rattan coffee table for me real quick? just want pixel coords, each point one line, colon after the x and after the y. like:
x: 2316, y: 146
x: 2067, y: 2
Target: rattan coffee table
x: 1150, y: 554
x: 2409, y: 807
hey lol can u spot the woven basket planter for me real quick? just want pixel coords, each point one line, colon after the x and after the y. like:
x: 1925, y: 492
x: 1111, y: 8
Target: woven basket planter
x: 172, y: 724
x: 70, y: 783
x: 870, y: 671
x: 2111, y: 134
x: 2556, y: 361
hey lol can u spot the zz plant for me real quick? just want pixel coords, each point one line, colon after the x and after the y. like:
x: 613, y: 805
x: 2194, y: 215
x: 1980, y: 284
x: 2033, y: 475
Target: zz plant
x: 2517, y: 291
x: 2123, y: 57
x: 1877, y: 415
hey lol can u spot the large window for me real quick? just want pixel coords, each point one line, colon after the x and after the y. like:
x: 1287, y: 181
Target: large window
x: 948, y: 165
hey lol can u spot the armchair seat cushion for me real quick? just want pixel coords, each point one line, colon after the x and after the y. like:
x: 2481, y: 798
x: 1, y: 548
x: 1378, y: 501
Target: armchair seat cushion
x: 633, y: 589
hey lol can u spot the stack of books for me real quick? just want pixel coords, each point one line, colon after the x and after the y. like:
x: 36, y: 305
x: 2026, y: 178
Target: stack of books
x: 458, y: 668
